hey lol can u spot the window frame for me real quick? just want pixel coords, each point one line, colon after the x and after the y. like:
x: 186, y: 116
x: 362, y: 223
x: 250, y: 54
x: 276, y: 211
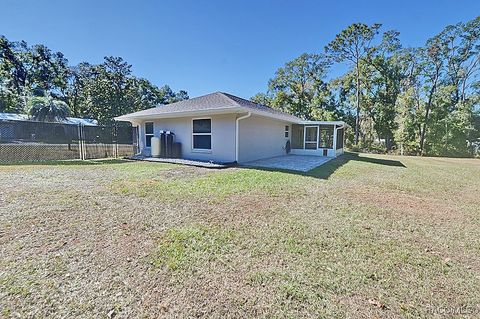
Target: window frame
x: 202, y: 150
x: 287, y: 131
x: 148, y: 134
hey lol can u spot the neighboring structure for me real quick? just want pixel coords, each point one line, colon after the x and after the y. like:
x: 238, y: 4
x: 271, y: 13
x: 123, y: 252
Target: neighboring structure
x: 21, y: 128
x: 223, y: 128
x: 24, y: 139
x: 68, y: 120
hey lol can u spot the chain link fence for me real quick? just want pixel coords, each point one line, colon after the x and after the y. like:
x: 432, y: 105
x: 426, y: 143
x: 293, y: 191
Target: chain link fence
x: 26, y: 141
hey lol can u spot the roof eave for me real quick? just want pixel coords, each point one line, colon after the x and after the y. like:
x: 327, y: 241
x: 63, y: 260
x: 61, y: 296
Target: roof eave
x: 206, y: 112
x: 132, y: 117
x: 280, y: 117
x: 322, y: 122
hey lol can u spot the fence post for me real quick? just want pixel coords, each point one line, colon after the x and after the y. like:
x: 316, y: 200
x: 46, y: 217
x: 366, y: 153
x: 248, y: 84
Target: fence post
x: 84, y: 150
x: 116, y: 140
x: 80, y: 152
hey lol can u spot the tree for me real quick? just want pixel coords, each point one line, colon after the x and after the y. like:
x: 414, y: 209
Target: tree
x: 474, y: 142
x: 409, y: 101
x: 451, y: 62
x: 353, y: 44
x: 462, y: 47
x: 108, y: 90
x: 167, y: 96
x: 298, y: 87
x: 433, y: 62
x: 76, y: 93
x: 13, y: 68
x: 383, y: 75
x: 9, y: 100
x: 262, y: 98
x: 101, y: 91
x: 48, y: 71
x: 47, y: 109
x: 181, y: 95
x: 421, y: 100
x: 30, y: 71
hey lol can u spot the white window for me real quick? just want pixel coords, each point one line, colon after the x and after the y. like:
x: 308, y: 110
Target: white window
x: 287, y: 130
x: 202, y: 134
x: 148, y: 133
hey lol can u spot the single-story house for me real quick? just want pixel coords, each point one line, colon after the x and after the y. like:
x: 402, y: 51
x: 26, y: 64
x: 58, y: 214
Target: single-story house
x: 224, y: 128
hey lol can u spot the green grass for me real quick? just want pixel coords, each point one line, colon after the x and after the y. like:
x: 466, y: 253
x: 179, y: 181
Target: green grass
x: 185, y: 248
x: 361, y: 236
x: 215, y: 187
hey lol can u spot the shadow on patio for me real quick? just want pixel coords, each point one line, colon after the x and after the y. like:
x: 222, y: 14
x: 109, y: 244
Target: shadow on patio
x: 326, y: 170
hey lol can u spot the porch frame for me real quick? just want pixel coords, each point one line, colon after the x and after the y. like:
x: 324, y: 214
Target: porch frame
x: 305, y: 136
x: 319, y: 151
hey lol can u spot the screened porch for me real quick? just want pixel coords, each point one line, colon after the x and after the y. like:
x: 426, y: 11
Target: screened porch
x: 318, y: 138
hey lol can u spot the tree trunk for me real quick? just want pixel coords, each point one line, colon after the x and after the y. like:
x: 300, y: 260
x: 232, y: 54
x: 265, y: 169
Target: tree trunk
x: 388, y: 143
x: 464, y: 85
x: 427, y: 113
x: 357, y: 116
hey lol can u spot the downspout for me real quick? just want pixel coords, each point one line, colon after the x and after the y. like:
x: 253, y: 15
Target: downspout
x: 236, y: 133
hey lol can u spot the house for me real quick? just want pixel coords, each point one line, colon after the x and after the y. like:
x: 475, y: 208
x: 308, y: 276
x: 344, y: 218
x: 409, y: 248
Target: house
x: 224, y: 128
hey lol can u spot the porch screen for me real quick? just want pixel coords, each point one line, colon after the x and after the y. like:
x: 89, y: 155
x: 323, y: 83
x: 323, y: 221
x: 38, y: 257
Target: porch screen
x: 297, y: 136
x: 340, y: 138
x: 326, y: 137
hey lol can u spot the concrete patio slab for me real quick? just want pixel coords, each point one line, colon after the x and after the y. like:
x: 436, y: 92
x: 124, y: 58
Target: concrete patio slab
x: 301, y: 163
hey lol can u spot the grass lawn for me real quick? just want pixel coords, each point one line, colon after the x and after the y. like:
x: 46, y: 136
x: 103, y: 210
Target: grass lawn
x: 362, y: 236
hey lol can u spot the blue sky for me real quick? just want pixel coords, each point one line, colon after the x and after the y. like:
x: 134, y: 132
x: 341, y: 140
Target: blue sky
x: 208, y: 46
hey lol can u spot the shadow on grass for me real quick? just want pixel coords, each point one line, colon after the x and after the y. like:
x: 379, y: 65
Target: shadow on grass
x: 326, y: 170
x: 107, y: 161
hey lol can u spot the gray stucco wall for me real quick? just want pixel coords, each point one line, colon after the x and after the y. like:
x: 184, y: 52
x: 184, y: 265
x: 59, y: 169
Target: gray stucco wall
x: 223, y: 137
x: 261, y: 137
